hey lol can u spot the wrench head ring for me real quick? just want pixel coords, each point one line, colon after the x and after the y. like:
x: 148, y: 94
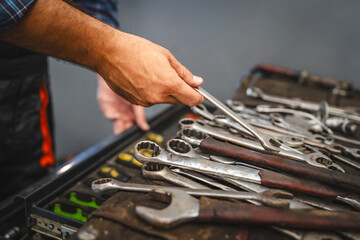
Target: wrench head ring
x: 179, y: 147
x: 186, y: 123
x: 102, y: 184
x: 236, y: 106
x: 157, y: 151
x: 192, y: 136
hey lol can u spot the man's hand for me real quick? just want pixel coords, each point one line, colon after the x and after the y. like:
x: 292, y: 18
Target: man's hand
x: 116, y: 109
x: 135, y: 68
x: 146, y: 74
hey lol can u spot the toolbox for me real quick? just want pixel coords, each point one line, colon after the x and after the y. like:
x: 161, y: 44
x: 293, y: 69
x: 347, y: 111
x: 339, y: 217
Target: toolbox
x: 63, y: 206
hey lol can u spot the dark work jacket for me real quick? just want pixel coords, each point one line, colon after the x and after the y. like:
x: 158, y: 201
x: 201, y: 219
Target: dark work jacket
x: 26, y: 146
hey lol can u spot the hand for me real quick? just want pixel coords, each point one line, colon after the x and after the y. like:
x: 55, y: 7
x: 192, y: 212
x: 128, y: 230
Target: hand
x: 116, y: 109
x: 146, y: 74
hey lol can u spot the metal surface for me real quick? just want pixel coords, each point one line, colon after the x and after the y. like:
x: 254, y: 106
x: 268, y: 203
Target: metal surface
x: 301, y: 104
x: 315, y: 159
x: 162, y: 157
x: 274, y: 198
x: 161, y: 172
x: 268, y: 143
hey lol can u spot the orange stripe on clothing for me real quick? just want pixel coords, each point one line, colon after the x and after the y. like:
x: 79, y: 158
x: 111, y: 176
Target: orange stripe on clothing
x: 48, y: 155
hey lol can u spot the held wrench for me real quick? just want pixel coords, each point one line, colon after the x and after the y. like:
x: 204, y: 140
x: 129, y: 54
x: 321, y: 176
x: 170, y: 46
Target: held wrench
x: 264, y: 177
x: 209, y: 144
x: 184, y: 208
x: 301, y: 104
x: 273, y: 198
x: 316, y: 159
x: 267, y: 142
x: 155, y: 171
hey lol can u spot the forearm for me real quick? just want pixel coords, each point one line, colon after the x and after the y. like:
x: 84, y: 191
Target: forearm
x: 54, y: 28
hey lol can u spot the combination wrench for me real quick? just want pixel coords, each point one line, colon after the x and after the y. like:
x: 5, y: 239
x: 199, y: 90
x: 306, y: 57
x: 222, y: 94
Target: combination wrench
x: 263, y: 177
x: 267, y: 142
x: 315, y: 159
x: 273, y: 198
x: 208, y: 144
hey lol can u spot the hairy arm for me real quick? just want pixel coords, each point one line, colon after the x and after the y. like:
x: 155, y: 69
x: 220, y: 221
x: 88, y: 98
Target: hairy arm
x: 137, y: 69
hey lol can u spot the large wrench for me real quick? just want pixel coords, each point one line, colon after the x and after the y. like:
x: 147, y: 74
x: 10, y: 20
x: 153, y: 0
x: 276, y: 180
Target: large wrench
x: 264, y: 177
x: 315, y: 159
x: 268, y: 143
x: 208, y: 144
x: 273, y: 198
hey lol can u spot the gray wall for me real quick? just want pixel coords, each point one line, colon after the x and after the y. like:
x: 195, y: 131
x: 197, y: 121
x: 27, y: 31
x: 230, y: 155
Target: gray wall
x: 217, y: 40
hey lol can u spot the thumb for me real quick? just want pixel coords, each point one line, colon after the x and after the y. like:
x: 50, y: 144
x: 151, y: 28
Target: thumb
x: 140, y: 118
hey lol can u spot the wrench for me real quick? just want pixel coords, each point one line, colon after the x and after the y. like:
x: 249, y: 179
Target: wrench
x: 184, y: 208
x: 315, y: 159
x: 273, y: 198
x: 301, y: 104
x: 268, y: 143
x: 268, y: 109
x: 161, y: 172
x: 264, y: 177
x: 208, y: 144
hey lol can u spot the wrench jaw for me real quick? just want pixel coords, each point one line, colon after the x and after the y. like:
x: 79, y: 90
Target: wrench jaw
x: 318, y: 159
x: 276, y: 198
x: 192, y: 136
x: 351, y: 199
x: 236, y: 106
x: 203, y: 112
x: 183, y: 208
x: 103, y: 184
x: 254, y: 92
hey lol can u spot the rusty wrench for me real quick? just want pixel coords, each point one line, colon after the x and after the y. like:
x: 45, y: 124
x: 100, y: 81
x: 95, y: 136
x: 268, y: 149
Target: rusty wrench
x: 273, y: 198
x: 184, y: 208
x: 264, y: 177
x: 209, y: 144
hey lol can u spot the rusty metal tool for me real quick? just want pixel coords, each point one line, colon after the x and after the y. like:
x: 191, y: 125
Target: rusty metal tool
x: 316, y: 159
x: 264, y: 177
x: 211, y: 145
x: 269, y: 143
x: 273, y: 198
x: 184, y: 208
x: 156, y: 171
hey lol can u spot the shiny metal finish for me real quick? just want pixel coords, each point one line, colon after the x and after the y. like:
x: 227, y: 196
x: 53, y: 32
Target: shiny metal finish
x: 315, y: 159
x: 197, y: 164
x: 301, y: 104
x: 268, y: 143
x: 273, y: 198
x: 160, y: 172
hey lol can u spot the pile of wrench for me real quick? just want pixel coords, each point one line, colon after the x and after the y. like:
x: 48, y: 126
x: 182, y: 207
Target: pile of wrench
x: 270, y: 166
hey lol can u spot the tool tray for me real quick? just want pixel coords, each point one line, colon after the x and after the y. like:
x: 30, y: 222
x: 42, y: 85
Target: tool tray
x: 116, y: 218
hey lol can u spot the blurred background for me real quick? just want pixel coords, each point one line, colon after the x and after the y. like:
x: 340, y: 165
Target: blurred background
x: 218, y: 40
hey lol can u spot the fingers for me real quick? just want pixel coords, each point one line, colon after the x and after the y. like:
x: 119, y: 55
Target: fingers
x: 120, y: 125
x: 184, y: 73
x: 140, y: 118
x: 188, y: 96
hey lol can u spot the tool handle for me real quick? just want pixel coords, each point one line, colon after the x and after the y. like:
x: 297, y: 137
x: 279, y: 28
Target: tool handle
x: 212, y: 210
x: 310, y: 187
x: 345, y: 181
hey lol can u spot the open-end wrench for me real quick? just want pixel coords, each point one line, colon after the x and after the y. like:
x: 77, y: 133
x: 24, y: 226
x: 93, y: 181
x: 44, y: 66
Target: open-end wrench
x: 315, y: 159
x: 295, y: 234
x: 273, y: 198
x: 301, y: 104
x: 268, y: 143
x: 268, y: 109
x: 208, y: 144
x: 155, y: 171
x: 264, y: 177
x: 184, y: 208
